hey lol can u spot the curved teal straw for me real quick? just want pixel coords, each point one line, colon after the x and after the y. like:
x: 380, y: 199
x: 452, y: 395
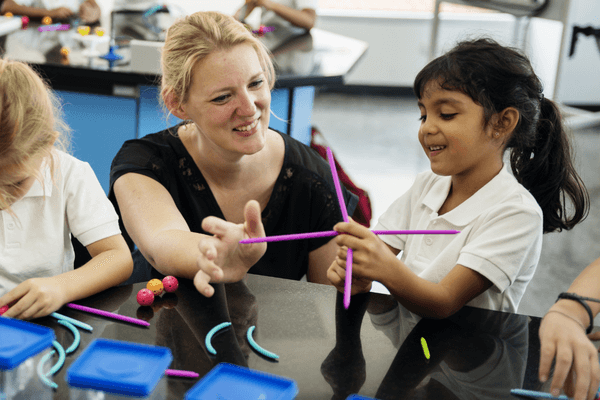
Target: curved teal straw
x: 256, y: 347
x: 338, y: 191
x: 59, y: 363
x: 211, y: 333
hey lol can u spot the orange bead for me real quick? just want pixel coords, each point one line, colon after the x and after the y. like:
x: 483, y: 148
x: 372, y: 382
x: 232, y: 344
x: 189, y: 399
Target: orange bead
x: 156, y: 286
x: 8, y: 15
x: 46, y: 20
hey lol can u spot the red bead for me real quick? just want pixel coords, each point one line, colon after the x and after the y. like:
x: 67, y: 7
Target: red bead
x: 3, y: 309
x: 170, y: 283
x: 145, y: 297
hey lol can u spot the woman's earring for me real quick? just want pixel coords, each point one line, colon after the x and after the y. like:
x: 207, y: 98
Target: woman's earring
x: 496, y: 134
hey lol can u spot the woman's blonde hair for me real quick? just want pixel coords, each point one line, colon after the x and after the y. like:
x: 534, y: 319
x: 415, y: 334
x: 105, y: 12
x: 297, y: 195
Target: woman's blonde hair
x: 31, y: 124
x: 193, y: 38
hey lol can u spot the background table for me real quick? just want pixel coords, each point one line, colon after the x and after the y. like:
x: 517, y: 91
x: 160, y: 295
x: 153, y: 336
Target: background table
x: 106, y: 104
x: 476, y: 354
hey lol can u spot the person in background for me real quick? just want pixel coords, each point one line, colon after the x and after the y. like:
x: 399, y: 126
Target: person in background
x: 565, y: 337
x: 88, y: 11
x: 300, y: 13
x: 47, y: 195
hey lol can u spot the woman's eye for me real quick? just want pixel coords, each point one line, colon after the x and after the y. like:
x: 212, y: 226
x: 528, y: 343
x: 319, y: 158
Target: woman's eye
x: 220, y: 99
x: 257, y: 83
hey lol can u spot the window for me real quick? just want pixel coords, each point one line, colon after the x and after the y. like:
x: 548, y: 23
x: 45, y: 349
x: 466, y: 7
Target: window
x: 396, y: 5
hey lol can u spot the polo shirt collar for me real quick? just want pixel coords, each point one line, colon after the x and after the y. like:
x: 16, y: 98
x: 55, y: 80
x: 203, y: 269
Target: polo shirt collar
x: 37, y: 190
x: 490, y: 194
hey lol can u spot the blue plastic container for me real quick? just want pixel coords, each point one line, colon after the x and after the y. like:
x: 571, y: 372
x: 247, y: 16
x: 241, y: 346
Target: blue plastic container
x: 357, y: 397
x: 22, y: 345
x: 110, y: 369
x: 231, y: 382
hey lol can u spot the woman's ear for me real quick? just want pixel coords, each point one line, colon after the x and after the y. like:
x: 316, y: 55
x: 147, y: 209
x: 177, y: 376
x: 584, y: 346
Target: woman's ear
x: 174, y: 106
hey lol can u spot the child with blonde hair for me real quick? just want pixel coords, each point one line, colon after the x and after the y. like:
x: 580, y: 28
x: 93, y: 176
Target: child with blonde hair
x: 45, y: 196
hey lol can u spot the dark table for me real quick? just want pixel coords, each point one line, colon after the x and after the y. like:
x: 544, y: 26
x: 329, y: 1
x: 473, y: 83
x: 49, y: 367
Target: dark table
x: 330, y: 352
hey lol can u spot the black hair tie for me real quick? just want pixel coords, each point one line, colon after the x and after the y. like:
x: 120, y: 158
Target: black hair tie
x: 581, y: 300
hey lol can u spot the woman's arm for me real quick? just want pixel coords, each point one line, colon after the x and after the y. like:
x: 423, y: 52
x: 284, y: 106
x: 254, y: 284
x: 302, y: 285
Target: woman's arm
x: 304, y: 18
x: 163, y: 236
x: 110, y: 265
x: 35, y: 12
x: 562, y: 336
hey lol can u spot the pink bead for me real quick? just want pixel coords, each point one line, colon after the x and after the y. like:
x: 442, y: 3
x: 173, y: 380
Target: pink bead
x: 24, y: 22
x: 3, y: 309
x: 145, y: 297
x: 170, y: 283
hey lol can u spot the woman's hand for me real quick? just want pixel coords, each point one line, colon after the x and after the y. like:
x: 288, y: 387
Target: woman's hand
x: 34, y: 298
x: 60, y: 13
x: 222, y: 258
x: 577, y: 368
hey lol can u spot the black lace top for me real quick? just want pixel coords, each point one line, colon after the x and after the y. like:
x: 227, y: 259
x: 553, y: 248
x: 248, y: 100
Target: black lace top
x: 303, y: 198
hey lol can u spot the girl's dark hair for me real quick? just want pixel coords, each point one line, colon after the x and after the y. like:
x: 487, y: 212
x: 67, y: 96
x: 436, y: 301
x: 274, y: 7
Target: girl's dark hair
x: 497, y: 77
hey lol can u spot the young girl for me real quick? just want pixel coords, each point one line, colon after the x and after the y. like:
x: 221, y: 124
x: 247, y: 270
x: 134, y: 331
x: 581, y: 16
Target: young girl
x: 45, y: 196
x: 476, y: 101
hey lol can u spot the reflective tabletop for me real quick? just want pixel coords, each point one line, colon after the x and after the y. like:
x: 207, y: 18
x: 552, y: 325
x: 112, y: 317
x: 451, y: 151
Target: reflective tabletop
x: 375, y: 348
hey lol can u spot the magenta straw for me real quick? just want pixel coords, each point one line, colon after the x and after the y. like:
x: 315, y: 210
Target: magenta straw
x: 311, y: 235
x: 108, y: 314
x: 181, y: 373
x: 338, y: 191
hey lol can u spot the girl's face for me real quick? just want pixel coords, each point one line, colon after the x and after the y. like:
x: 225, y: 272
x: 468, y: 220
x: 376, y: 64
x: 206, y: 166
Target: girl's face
x: 15, y: 181
x: 229, y: 101
x: 453, y: 134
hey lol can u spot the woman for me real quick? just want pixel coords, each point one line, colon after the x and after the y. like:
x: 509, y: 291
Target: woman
x: 300, y: 13
x: 189, y: 194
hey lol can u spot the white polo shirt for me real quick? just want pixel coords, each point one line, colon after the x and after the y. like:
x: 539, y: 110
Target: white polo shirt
x: 501, y: 235
x: 38, y: 242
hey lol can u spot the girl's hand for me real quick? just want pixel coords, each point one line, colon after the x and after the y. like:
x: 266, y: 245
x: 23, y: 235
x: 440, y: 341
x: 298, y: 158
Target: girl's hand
x: 34, y: 298
x: 60, y: 13
x: 371, y: 258
x: 577, y: 367
x: 222, y: 258
x: 337, y: 276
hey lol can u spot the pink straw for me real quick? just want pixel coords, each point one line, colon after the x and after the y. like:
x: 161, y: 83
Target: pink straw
x: 311, y: 235
x: 338, y: 191
x: 181, y: 373
x: 108, y: 314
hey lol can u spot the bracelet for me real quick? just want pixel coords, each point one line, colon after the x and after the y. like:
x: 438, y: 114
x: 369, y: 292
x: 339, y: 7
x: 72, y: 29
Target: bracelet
x: 568, y: 316
x: 581, y: 300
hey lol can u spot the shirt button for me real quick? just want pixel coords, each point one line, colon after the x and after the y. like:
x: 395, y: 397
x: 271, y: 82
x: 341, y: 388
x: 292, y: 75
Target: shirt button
x: 11, y: 225
x: 428, y: 241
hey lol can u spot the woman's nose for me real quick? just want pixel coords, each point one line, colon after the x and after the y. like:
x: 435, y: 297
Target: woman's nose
x: 247, y: 105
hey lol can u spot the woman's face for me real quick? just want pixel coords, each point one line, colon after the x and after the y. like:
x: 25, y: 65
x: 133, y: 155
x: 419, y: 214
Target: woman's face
x: 229, y: 101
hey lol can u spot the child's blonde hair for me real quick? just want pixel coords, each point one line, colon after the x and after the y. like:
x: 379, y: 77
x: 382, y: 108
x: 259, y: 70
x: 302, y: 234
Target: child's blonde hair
x: 31, y: 124
x: 193, y: 38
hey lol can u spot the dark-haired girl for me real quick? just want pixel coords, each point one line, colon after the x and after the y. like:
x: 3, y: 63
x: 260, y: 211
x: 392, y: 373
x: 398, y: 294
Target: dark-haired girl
x: 476, y: 101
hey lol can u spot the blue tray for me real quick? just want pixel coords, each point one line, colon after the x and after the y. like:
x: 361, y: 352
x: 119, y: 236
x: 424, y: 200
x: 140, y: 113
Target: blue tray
x: 232, y: 382
x: 119, y: 367
x: 21, y: 340
x: 357, y: 397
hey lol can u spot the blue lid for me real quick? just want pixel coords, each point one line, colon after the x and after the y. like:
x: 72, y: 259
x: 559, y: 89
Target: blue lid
x: 21, y: 340
x: 119, y: 367
x: 357, y: 397
x: 232, y: 382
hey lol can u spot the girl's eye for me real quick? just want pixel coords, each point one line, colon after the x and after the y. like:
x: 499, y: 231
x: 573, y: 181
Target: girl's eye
x: 422, y: 118
x: 256, y: 83
x: 447, y: 116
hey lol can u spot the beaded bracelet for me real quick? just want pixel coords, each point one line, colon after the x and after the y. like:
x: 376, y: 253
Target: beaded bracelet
x: 581, y: 300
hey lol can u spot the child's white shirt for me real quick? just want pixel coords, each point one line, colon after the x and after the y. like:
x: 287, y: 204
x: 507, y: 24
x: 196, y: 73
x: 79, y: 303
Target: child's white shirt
x: 501, y: 235
x: 38, y: 242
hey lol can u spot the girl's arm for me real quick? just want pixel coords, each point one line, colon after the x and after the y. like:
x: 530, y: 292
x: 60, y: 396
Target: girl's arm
x: 110, y: 265
x: 374, y: 261
x: 562, y: 336
x: 163, y: 236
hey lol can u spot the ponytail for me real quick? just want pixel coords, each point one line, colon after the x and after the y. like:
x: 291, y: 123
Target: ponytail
x: 547, y: 171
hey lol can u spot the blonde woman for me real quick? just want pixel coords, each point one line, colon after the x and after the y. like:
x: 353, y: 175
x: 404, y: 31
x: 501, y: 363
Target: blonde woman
x: 189, y: 194
x: 45, y: 196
